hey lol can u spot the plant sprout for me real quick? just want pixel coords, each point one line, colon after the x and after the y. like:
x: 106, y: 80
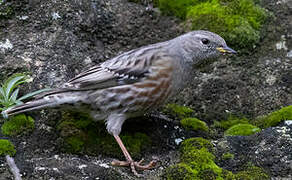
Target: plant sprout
x: 9, y: 92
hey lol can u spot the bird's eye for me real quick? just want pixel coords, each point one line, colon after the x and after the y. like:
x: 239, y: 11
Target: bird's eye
x: 205, y: 41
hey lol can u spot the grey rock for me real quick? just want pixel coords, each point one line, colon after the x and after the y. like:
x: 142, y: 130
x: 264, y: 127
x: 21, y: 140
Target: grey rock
x: 270, y: 149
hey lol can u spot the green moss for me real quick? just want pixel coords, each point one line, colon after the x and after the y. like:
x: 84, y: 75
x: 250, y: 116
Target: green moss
x: 181, y: 171
x: 237, y: 21
x: 275, y: 117
x: 201, y: 160
x: 196, y: 152
x: 241, y: 130
x: 231, y: 121
x: 79, y: 120
x: 82, y: 135
x: 18, y: 125
x: 197, y: 161
x: 6, y: 148
x: 252, y: 172
x: 227, y: 156
x: 196, y: 143
x: 194, y: 124
x: 227, y: 175
x: 136, y: 142
x: 178, y: 111
x: 76, y: 144
x: 177, y: 8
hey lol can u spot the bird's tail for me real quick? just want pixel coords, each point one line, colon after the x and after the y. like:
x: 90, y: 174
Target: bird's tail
x: 48, y: 100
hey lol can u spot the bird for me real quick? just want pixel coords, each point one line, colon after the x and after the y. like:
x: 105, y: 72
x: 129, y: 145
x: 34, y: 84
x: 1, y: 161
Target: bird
x: 132, y: 83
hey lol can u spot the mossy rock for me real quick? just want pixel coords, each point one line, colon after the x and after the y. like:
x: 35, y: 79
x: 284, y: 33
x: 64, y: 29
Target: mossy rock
x: 252, y: 172
x: 227, y: 156
x: 201, y: 160
x: 238, y: 21
x: 196, y: 152
x: 241, y: 130
x: 194, y: 124
x: 227, y: 175
x: 75, y: 144
x: 197, y: 162
x: 177, y: 8
x: 6, y: 148
x: 16, y: 125
x: 178, y: 111
x: 231, y: 121
x: 82, y: 135
x: 275, y: 117
x: 196, y: 143
x: 180, y: 171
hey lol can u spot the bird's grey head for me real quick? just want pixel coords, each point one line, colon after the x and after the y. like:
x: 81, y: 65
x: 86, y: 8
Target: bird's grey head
x: 198, y: 46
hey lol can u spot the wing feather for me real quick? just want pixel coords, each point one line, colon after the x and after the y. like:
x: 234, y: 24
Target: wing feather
x: 118, y: 71
x: 127, y: 68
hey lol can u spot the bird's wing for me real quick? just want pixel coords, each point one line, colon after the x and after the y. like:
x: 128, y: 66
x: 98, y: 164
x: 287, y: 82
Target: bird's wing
x: 117, y: 71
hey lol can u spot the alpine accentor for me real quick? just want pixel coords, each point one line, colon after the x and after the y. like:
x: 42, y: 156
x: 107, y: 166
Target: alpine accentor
x: 132, y: 83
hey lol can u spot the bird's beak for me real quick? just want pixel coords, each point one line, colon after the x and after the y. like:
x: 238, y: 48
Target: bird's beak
x: 226, y: 49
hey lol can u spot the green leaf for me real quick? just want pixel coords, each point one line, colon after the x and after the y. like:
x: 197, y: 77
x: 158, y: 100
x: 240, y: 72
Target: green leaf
x: 19, y: 82
x: 17, y: 102
x: 12, y: 84
x: 2, y: 93
x: 5, y: 97
x: 14, y: 95
x: 33, y: 94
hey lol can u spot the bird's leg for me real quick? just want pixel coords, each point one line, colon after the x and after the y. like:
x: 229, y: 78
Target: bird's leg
x: 129, y: 159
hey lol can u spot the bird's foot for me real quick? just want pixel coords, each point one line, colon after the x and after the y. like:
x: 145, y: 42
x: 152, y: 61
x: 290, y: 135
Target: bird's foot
x: 135, y: 165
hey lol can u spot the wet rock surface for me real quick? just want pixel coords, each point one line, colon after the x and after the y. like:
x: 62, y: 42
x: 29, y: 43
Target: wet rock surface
x: 269, y: 149
x: 55, y: 40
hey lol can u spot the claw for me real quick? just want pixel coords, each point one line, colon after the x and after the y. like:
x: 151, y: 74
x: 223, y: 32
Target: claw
x: 135, y: 165
x: 140, y: 161
x: 130, y: 161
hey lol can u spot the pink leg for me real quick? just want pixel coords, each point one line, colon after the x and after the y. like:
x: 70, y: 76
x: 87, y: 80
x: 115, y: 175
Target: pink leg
x: 129, y: 159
